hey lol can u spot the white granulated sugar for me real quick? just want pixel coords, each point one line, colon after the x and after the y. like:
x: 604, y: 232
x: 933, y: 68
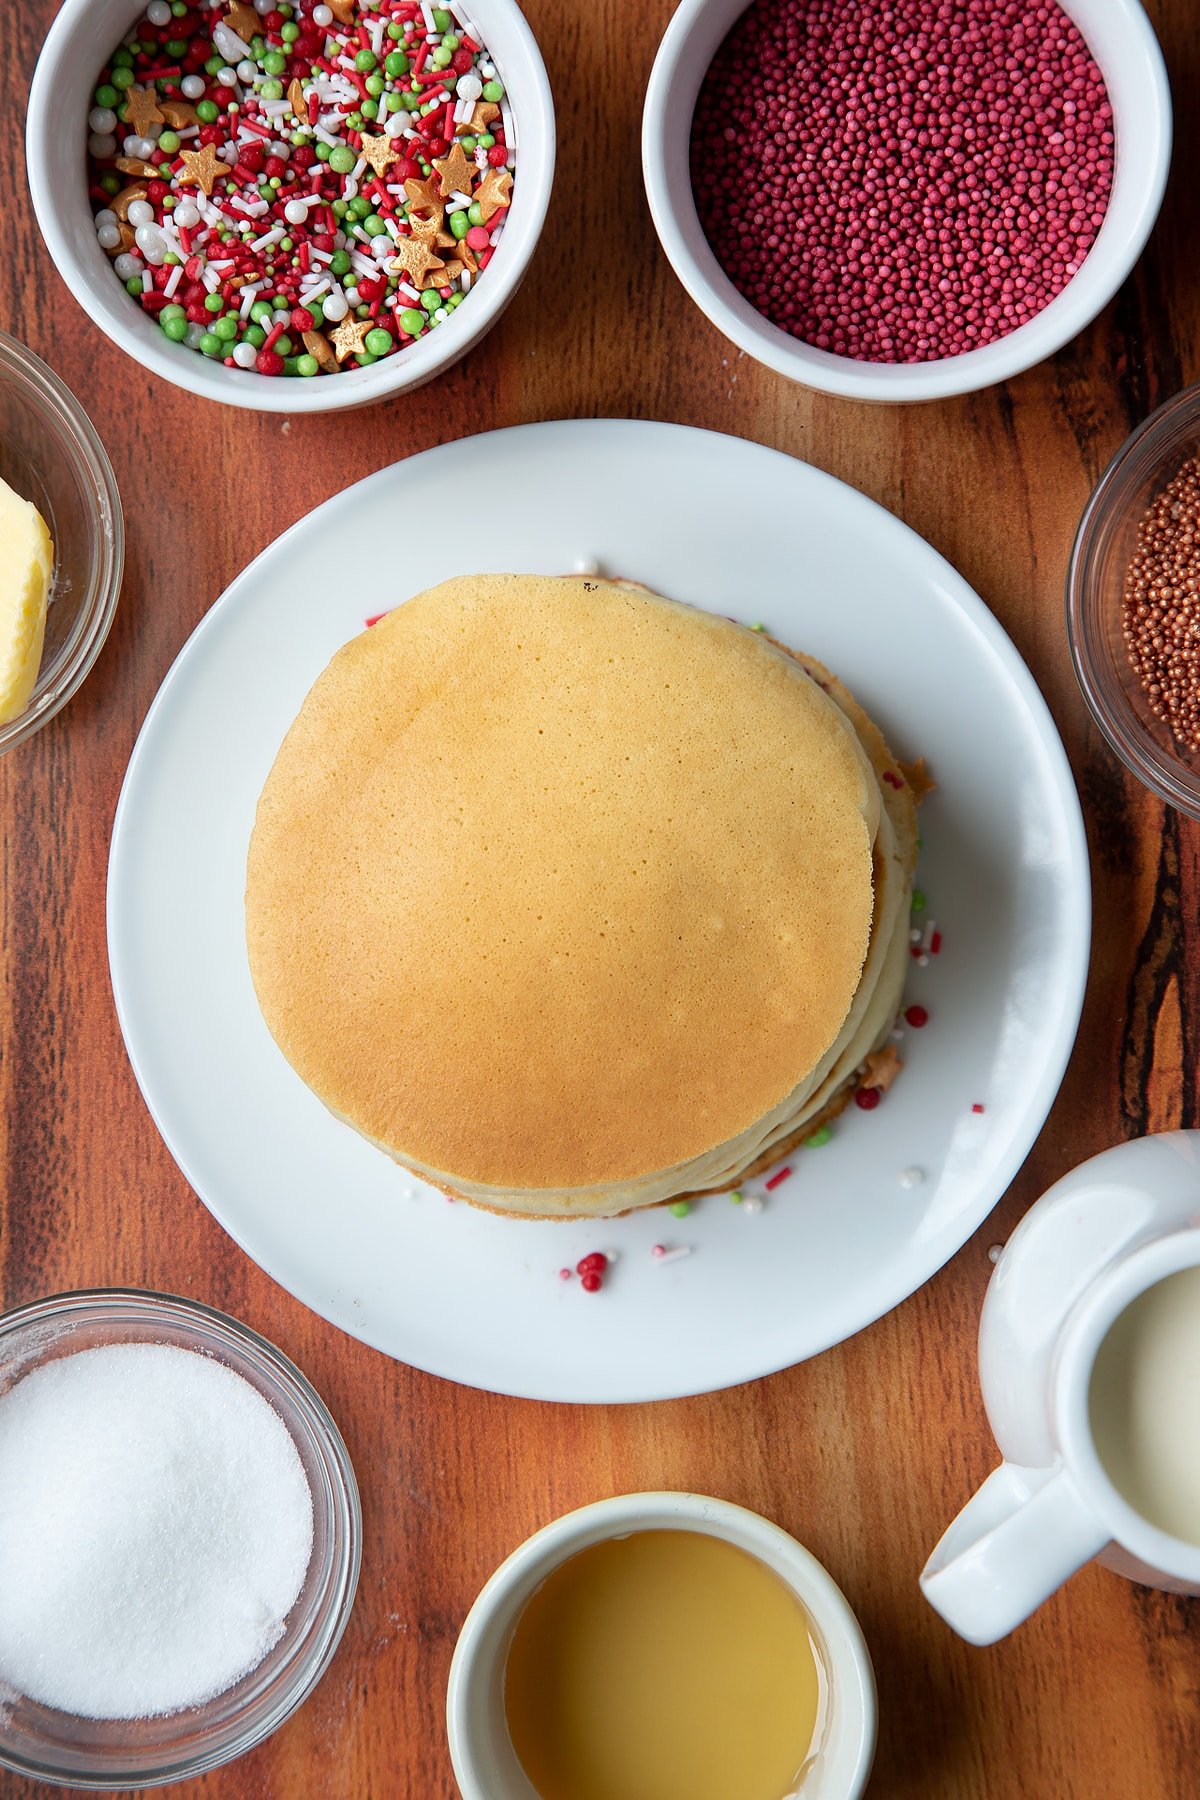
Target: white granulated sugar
x: 156, y: 1524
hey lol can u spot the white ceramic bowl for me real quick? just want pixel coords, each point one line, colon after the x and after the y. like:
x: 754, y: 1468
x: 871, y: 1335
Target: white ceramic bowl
x: 485, y: 1764
x: 78, y: 46
x: 1123, y: 43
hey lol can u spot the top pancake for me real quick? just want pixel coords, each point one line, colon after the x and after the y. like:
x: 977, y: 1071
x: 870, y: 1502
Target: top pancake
x: 554, y: 884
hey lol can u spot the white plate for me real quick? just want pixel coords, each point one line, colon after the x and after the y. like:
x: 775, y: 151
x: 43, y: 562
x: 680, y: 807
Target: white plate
x: 727, y: 525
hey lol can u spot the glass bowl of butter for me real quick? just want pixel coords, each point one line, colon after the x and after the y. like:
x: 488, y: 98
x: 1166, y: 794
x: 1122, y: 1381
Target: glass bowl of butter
x: 62, y: 544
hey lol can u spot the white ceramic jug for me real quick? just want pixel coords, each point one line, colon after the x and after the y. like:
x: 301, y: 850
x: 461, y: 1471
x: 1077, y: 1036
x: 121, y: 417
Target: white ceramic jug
x: 1100, y: 1237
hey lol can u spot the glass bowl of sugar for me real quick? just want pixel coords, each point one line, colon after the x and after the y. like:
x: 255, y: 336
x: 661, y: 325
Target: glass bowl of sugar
x: 182, y: 1539
x: 1133, y: 602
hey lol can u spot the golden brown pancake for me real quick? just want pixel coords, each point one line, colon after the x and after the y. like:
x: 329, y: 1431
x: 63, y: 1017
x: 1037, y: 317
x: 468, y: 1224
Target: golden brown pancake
x: 571, y: 897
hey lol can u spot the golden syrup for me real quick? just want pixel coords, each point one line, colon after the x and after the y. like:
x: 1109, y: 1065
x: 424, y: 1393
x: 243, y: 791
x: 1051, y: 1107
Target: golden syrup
x: 667, y: 1665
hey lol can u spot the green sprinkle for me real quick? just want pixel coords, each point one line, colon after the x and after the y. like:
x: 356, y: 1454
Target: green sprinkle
x: 680, y: 1209
x: 283, y: 345
x: 226, y: 328
x: 758, y: 628
x: 431, y: 300
x: 271, y: 90
x: 261, y: 312
x: 122, y: 78
x: 213, y: 303
x: 919, y: 901
x: 341, y: 160
x: 493, y: 91
x: 211, y: 345
x: 176, y: 47
x: 365, y: 61
x: 108, y: 96
x: 364, y: 359
x: 441, y: 19
x: 306, y: 365
x: 736, y: 1196
x: 175, y: 327
x: 339, y: 262
x: 169, y: 142
x: 274, y: 63
x: 459, y: 224
x: 134, y: 285
x: 379, y: 341
x: 289, y: 32
x: 820, y: 1136
x: 396, y: 63
x: 256, y: 335
x: 207, y: 112
x: 413, y: 322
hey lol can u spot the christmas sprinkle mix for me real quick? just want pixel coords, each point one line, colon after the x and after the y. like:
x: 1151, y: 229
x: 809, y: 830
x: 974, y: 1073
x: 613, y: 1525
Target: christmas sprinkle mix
x: 902, y: 180
x: 299, y: 189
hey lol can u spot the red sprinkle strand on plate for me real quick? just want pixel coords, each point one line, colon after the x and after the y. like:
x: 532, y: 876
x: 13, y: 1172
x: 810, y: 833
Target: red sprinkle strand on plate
x: 779, y: 1176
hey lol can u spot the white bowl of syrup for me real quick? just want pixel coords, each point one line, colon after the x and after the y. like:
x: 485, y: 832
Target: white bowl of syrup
x: 661, y: 1644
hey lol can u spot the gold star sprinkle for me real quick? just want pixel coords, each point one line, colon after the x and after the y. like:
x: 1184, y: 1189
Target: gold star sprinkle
x: 455, y: 172
x: 380, y: 151
x: 425, y: 198
x: 415, y: 259
x: 142, y: 110
x: 342, y: 10
x: 493, y: 192
x: 881, y: 1068
x: 201, y: 168
x: 350, y: 338
x: 179, y: 114
x: 477, y: 122
x: 133, y: 165
x: 243, y: 20
x: 296, y: 100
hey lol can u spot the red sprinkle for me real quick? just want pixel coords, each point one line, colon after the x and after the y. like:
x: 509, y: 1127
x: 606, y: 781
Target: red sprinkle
x: 892, y: 779
x: 978, y: 1107
x: 595, y: 1264
x: 780, y: 1175
x: 591, y: 1284
x: 868, y: 1098
x: 902, y: 180
x: 916, y: 1017
x: 935, y: 943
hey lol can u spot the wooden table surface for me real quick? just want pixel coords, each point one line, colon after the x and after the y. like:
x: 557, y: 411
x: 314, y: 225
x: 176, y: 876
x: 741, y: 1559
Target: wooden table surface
x: 864, y: 1453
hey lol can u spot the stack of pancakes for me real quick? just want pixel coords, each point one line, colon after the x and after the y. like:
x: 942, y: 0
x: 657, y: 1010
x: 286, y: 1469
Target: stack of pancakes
x: 575, y: 899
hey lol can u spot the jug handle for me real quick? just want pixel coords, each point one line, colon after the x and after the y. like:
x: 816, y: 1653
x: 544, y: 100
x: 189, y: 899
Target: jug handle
x: 1011, y: 1546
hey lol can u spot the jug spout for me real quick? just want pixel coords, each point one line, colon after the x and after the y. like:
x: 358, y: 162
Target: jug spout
x: 1011, y: 1546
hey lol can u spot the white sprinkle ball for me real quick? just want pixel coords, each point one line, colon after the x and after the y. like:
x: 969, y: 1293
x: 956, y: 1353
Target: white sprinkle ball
x: 194, y: 334
x: 185, y: 214
x: 152, y: 244
x: 911, y: 1178
x: 322, y: 16
x: 126, y: 266
x: 102, y: 146
x: 245, y: 355
x: 105, y: 216
x: 159, y: 12
x: 227, y: 77
x: 246, y: 70
x: 108, y: 237
x: 192, y: 87
x: 468, y: 87
x: 158, y: 1524
x: 102, y: 119
x: 752, y: 1204
x: 335, y: 306
x: 295, y: 212
x: 995, y: 1252
x: 140, y: 213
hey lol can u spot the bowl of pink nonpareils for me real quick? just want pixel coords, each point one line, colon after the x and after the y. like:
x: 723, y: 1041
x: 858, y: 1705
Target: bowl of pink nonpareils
x: 900, y: 200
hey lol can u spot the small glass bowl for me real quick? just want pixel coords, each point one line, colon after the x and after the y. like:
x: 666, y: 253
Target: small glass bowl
x: 1104, y: 545
x: 50, y: 454
x: 108, y: 1754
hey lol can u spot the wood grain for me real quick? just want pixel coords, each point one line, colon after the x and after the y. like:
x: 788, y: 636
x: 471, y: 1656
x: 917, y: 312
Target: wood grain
x: 864, y: 1453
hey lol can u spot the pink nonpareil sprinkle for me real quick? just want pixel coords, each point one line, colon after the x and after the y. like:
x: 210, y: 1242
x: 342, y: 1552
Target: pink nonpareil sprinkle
x: 902, y: 180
